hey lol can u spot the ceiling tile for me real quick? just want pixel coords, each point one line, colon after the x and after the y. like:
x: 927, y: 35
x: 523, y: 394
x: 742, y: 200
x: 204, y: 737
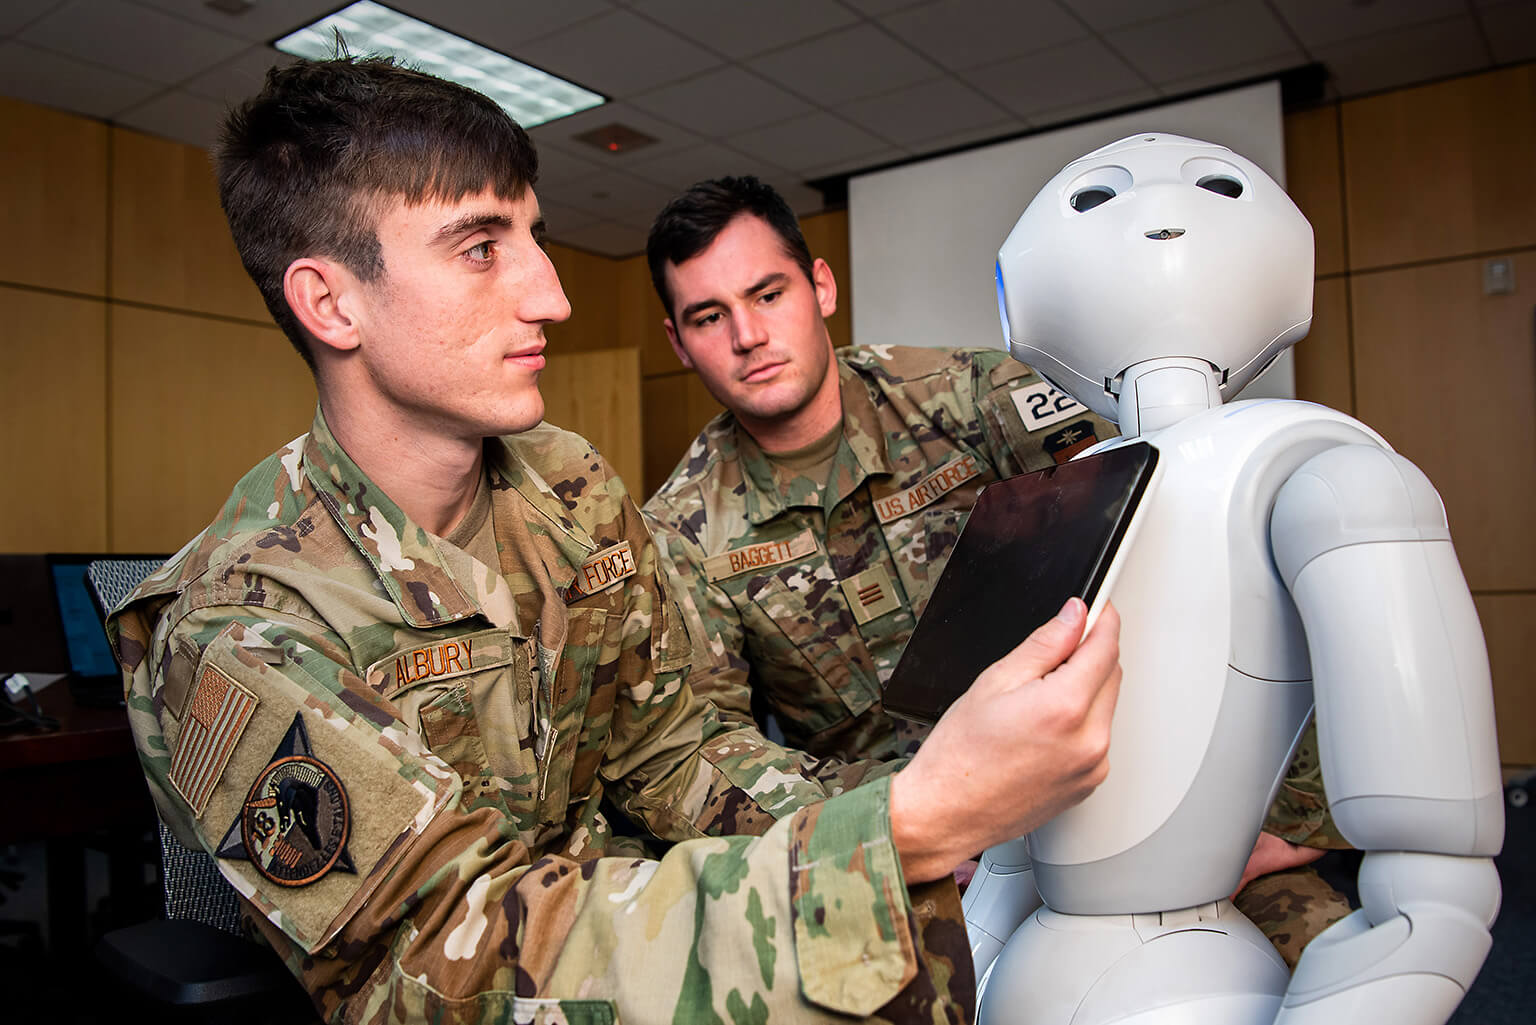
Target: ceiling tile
x: 504, y: 24
x: 559, y: 167
x: 558, y: 217
x: 618, y: 196
x: 131, y: 39
x: 262, y: 22
x: 845, y: 65
x: 1208, y: 39
x: 239, y: 78
x: 802, y: 199
x: 51, y: 80
x: 1076, y: 73
x: 1327, y: 21
x: 1511, y: 31
x: 177, y: 115
x: 562, y: 133
x: 811, y: 141
x: 681, y: 169
x: 1226, y: 76
x: 1098, y: 107
x: 915, y: 115
x: 618, y: 54
x: 1409, y: 55
x: 1103, y: 15
x: 968, y: 33
x: 856, y: 165
x: 740, y: 30
x: 16, y: 15
x: 719, y: 102
x: 875, y: 8
x: 607, y: 238
x: 980, y: 135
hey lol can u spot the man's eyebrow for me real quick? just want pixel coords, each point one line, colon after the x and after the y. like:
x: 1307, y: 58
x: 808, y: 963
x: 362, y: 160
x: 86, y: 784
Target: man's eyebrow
x: 467, y: 224
x: 762, y: 284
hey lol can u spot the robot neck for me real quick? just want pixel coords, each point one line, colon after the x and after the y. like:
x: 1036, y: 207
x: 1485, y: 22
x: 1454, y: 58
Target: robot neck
x: 1160, y: 392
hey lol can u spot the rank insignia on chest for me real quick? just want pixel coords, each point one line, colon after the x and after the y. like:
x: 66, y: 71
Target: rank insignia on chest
x: 607, y: 567
x: 761, y: 556
x: 294, y: 824
x: 870, y: 594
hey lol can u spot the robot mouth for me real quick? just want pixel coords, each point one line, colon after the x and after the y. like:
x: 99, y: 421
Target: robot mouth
x: 1164, y: 234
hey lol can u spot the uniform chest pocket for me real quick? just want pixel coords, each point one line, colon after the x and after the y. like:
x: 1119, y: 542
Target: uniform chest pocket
x: 472, y: 699
x: 805, y: 645
x: 920, y: 547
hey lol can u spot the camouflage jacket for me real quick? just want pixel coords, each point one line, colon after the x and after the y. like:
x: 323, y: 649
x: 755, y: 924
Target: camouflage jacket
x: 439, y: 785
x: 806, y: 593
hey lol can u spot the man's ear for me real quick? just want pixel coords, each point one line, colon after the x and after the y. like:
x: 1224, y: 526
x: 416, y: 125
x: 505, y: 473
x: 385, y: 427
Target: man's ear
x: 677, y: 346
x: 317, y: 292
x: 826, y: 287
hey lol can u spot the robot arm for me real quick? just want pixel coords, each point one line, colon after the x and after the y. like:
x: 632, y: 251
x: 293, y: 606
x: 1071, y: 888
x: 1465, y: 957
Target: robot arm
x: 1406, y: 728
x: 1001, y: 895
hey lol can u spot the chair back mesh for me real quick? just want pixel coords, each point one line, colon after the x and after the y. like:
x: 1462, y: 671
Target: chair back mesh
x: 114, y: 579
x: 194, y: 888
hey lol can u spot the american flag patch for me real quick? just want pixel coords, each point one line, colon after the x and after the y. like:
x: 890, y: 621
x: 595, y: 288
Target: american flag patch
x: 216, y: 716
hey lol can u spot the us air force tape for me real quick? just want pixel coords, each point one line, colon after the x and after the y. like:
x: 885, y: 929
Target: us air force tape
x: 601, y: 570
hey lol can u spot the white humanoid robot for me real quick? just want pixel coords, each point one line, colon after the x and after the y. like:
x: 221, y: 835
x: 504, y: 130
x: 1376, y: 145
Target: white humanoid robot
x: 1286, y: 555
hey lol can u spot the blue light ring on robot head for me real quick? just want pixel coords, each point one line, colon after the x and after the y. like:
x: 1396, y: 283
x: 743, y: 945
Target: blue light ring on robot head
x: 1002, y: 304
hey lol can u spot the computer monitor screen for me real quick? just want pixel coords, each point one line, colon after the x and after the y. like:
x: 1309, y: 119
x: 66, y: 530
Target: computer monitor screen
x: 89, y: 654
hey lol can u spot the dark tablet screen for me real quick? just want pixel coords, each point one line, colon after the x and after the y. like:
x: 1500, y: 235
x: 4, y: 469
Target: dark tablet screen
x: 1031, y: 542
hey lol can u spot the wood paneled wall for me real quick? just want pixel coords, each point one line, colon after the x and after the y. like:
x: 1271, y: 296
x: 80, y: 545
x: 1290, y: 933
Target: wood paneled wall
x: 1410, y: 194
x: 146, y: 377
x: 143, y: 374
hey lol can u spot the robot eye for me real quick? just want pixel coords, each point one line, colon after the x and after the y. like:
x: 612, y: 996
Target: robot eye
x: 1222, y: 185
x: 1084, y: 200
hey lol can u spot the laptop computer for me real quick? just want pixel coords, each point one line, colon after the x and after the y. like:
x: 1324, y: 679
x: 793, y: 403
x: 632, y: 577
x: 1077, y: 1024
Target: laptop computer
x: 1030, y: 543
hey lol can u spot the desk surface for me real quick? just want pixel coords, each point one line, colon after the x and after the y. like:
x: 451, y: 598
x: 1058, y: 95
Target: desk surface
x: 84, y: 733
x: 82, y: 776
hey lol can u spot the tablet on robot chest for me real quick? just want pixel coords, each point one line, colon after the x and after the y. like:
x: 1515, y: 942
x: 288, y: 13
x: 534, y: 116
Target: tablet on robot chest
x: 1031, y: 542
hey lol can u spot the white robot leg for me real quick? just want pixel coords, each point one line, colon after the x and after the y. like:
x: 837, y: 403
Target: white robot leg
x: 1201, y: 966
x: 1000, y: 896
x: 1412, y: 950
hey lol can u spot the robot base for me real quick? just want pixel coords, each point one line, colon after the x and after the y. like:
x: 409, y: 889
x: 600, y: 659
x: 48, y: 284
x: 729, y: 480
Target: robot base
x: 1207, y: 964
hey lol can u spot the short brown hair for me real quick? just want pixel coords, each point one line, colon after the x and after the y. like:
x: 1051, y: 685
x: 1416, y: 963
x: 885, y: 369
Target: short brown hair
x: 687, y: 225
x: 304, y: 165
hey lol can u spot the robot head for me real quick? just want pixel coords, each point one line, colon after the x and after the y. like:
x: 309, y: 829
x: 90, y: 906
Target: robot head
x: 1152, y: 247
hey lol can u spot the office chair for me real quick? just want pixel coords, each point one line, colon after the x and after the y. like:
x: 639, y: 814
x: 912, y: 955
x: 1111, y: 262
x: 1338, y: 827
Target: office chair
x: 196, y: 957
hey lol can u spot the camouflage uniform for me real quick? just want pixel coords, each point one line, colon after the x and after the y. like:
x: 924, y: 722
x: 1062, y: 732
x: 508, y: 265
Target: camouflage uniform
x: 771, y: 568
x: 428, y: 777
x: 807, y: 592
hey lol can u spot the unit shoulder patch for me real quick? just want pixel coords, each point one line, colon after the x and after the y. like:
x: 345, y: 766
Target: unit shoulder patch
x: 294, y: 824
x: 1070, y: 440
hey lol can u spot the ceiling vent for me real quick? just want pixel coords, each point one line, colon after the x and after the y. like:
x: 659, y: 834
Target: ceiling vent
x: 615, y: 138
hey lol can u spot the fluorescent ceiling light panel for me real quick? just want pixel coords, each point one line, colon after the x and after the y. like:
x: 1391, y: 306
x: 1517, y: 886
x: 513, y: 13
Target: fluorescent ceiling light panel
x: 531, y: 96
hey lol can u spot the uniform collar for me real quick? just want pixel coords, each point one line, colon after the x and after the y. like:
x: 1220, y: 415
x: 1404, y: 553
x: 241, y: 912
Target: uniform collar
x: 403, y: 554
x: 863, y: 453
